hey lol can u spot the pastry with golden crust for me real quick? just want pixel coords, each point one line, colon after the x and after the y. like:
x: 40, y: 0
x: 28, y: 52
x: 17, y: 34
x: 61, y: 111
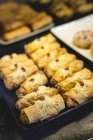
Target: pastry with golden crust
x: 43, y: 109
x: 62, y: 73
x: 60, y: 62
x: 38, y: 43
x: 16, y: 33
x: 35, y: 80
x: 35, y: 95
x: 81, y: 93
x: 70, y: 82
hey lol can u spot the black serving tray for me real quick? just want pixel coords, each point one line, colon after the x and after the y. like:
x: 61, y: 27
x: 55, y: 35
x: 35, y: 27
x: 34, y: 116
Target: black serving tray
x: 59, y: 120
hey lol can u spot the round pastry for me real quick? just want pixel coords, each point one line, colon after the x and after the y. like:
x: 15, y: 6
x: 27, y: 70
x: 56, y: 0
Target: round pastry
x: 83, y: 39
x: 91, y: 49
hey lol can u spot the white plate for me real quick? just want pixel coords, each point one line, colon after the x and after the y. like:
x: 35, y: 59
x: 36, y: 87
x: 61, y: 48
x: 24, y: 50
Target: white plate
x: 67, y: 31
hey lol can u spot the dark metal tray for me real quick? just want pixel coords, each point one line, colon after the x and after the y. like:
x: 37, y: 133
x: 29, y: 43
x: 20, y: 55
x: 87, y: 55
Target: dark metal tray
x: 63, y: 116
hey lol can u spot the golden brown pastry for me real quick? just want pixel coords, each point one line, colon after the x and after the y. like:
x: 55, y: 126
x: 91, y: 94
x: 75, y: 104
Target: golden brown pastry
x: 37, y: 79
x: 6, y: 60
x: 16, y: 33
x: 70, y: 82
x: 91, y: 49
x: 38, y: 43
x: 17, y: 77
x: 84, y: 8
x: 81, y: 93
x: 60, y: 62
x: 35, y: 95
x: 62, y: 73
x: 42, y: 109
x: 20, y: 65
x: 48, y: 47
x: 41, y: 22
x: 43, y: 61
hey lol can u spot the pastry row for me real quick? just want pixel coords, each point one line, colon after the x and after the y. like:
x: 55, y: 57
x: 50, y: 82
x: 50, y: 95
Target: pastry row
x: 68, y: 8
x: 37, y: 101
x: 65, y: 71
x: 21, y: 20
x: 46, y: 80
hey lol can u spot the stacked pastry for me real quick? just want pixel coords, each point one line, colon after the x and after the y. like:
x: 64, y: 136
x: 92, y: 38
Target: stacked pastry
x: 65, y: 71
x: 19, y: 19
x: 36, y: 100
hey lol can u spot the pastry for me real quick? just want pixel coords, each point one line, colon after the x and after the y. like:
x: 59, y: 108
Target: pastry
x: 42, y: 109
x: 17, y: 77
x: 16, y: 33
x: 91, y: 49
x: 70, y: 82
x: 45, y: 49
x: 43, y: 61
x: 84, y: 8
x: 43, y: 21
x: 83, y: 39
x: 37, y: 79
x: 38, y: 43
x: 35, y: 95
x: 81, y: 93
x: 60, y: 62
x: 20, y: 65
x: 62, y: 73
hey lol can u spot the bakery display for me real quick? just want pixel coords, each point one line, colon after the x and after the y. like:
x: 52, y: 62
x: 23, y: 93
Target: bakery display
x: 84, y: 39
x: 21, y: 20
x: 47, y: 79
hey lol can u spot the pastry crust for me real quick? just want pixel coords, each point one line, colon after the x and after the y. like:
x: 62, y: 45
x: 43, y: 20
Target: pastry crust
x: 60, y: 62
x: 42, y: 110
x: 16, y: 65
x: 81, y: 93
x: 45, y: 49
x: 43, y: 21
x: 70, y: 82
x: 17, y: 77
x: 16, y: 33
x: 13, y: 58
x: 30, y: 98
x: 43, y: 61
x: 37, y: 79
x: 62, y: 73
x: 38, y: 43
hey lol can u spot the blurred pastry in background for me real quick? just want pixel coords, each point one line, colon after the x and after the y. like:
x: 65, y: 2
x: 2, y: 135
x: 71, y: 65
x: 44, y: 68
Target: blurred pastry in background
x: 91, y: 49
